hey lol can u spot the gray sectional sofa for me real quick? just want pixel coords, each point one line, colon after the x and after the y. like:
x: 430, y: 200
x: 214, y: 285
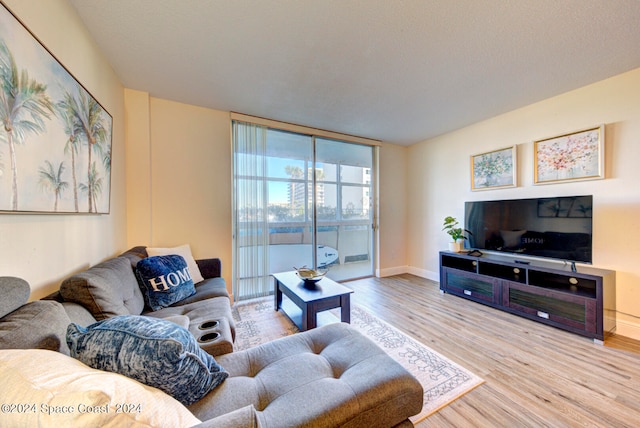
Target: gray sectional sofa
x: 111, y: 288
x: 331, y: 376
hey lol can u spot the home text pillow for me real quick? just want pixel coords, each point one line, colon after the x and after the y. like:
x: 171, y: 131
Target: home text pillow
x: 155, y: 352
x: 184, y: 251
x: 39, y: 382
x: 164, y: 280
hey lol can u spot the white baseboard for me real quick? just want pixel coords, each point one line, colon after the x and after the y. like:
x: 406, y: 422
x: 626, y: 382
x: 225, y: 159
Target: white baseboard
x: 628, y: 329
x: 423, y: 273
x: 398, y: 270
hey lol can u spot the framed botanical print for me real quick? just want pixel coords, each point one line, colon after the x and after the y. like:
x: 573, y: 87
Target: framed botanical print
x: 494, y: 170
x: 570, y: 157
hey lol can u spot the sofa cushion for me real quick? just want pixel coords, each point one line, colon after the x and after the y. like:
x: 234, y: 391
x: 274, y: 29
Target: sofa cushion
x: 41, y: 324
x: 15, y: 293
x: 184, y: 251
x: 106, y: 290
x: 164, y: 280
x: 45, y: 381
x: 207, y: 289
x: 152, y: 351
x: 77, y: 314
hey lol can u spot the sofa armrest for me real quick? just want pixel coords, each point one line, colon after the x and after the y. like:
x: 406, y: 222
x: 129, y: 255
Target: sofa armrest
x: 210, y: 268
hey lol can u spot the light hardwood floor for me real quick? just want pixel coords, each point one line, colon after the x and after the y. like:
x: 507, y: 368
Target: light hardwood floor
x: 535, y: 375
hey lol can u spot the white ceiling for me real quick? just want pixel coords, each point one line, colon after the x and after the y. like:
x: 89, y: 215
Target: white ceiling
x: 400, y: 71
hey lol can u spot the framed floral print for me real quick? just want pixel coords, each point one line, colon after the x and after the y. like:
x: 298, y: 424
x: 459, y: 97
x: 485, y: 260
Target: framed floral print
x: 570, y: 157
x: 494, y: 170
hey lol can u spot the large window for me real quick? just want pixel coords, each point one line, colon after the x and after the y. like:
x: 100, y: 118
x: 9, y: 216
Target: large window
x: 313, y: 206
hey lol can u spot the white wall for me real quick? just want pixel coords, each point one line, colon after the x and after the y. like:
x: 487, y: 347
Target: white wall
x: 439, y: 179
x: 138, y: 167
x: 179, y: 177
x: 392, y: 210
x: 44, y: 249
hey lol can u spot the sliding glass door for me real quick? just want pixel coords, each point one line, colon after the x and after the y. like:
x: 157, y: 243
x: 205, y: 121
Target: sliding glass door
x: 289, y: 169
x: 304, y: 201
x: 344, y: 208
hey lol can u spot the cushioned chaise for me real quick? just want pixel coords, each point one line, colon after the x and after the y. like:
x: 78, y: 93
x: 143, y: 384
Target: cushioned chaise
x: 328, y: 376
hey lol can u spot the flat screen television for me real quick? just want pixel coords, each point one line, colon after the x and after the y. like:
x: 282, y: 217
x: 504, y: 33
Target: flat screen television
x: 558, y: 227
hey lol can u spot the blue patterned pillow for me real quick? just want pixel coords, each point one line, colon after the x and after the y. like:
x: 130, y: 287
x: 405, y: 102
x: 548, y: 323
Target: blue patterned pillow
x: 164, y: 280
x: 153, y: 351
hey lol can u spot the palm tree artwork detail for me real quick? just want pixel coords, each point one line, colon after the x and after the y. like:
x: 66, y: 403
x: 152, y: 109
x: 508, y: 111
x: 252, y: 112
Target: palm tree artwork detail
x: 71, y: 146
x: 54, y: 137
x: 93, y: 187
x: 51, y: 179
x: 24, y: 105
x: 83, y: 122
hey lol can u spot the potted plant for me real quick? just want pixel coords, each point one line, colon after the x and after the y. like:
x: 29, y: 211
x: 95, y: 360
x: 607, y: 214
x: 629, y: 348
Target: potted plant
x: 456, y: 233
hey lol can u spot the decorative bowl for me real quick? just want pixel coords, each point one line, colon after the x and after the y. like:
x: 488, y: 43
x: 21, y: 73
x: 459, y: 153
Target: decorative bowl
x: 309, y: 275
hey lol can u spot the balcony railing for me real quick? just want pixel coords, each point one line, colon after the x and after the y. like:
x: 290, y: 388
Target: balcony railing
x: 351, y: 239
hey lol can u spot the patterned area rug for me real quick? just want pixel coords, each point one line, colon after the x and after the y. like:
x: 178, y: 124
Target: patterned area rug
x: 442, y: 379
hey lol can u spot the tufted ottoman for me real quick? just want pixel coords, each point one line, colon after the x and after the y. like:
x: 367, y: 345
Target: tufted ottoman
x: 325, y: 377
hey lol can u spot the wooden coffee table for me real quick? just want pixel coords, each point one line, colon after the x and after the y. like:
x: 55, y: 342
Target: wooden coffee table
x: 311, y: 298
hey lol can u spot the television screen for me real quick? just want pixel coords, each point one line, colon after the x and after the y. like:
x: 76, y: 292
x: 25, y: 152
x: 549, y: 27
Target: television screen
x: 559, y: 227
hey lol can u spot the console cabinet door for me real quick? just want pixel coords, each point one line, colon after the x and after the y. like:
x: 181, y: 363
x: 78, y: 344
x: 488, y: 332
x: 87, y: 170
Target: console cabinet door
x: 470, y: 285
x: 552, y: 307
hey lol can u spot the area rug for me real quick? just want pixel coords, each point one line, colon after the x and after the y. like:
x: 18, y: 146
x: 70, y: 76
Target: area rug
x: 443, y: 380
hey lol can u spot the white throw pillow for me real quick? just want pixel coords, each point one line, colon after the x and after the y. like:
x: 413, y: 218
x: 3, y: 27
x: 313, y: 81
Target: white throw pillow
x: 48, y: 389
x: 185, y: 252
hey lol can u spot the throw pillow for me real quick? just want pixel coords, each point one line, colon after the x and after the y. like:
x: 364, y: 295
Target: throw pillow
x: 107, y: 289
x: 155, y: 352
x: 184, y: 251
x: 164, y: 280
x: 47, y: 388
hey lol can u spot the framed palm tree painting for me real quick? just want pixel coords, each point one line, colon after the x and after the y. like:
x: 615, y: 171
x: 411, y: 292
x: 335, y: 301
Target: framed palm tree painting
x: 55, y: 142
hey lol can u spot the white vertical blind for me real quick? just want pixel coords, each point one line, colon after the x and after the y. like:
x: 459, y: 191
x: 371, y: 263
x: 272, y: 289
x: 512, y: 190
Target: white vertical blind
x: 250, y: 213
